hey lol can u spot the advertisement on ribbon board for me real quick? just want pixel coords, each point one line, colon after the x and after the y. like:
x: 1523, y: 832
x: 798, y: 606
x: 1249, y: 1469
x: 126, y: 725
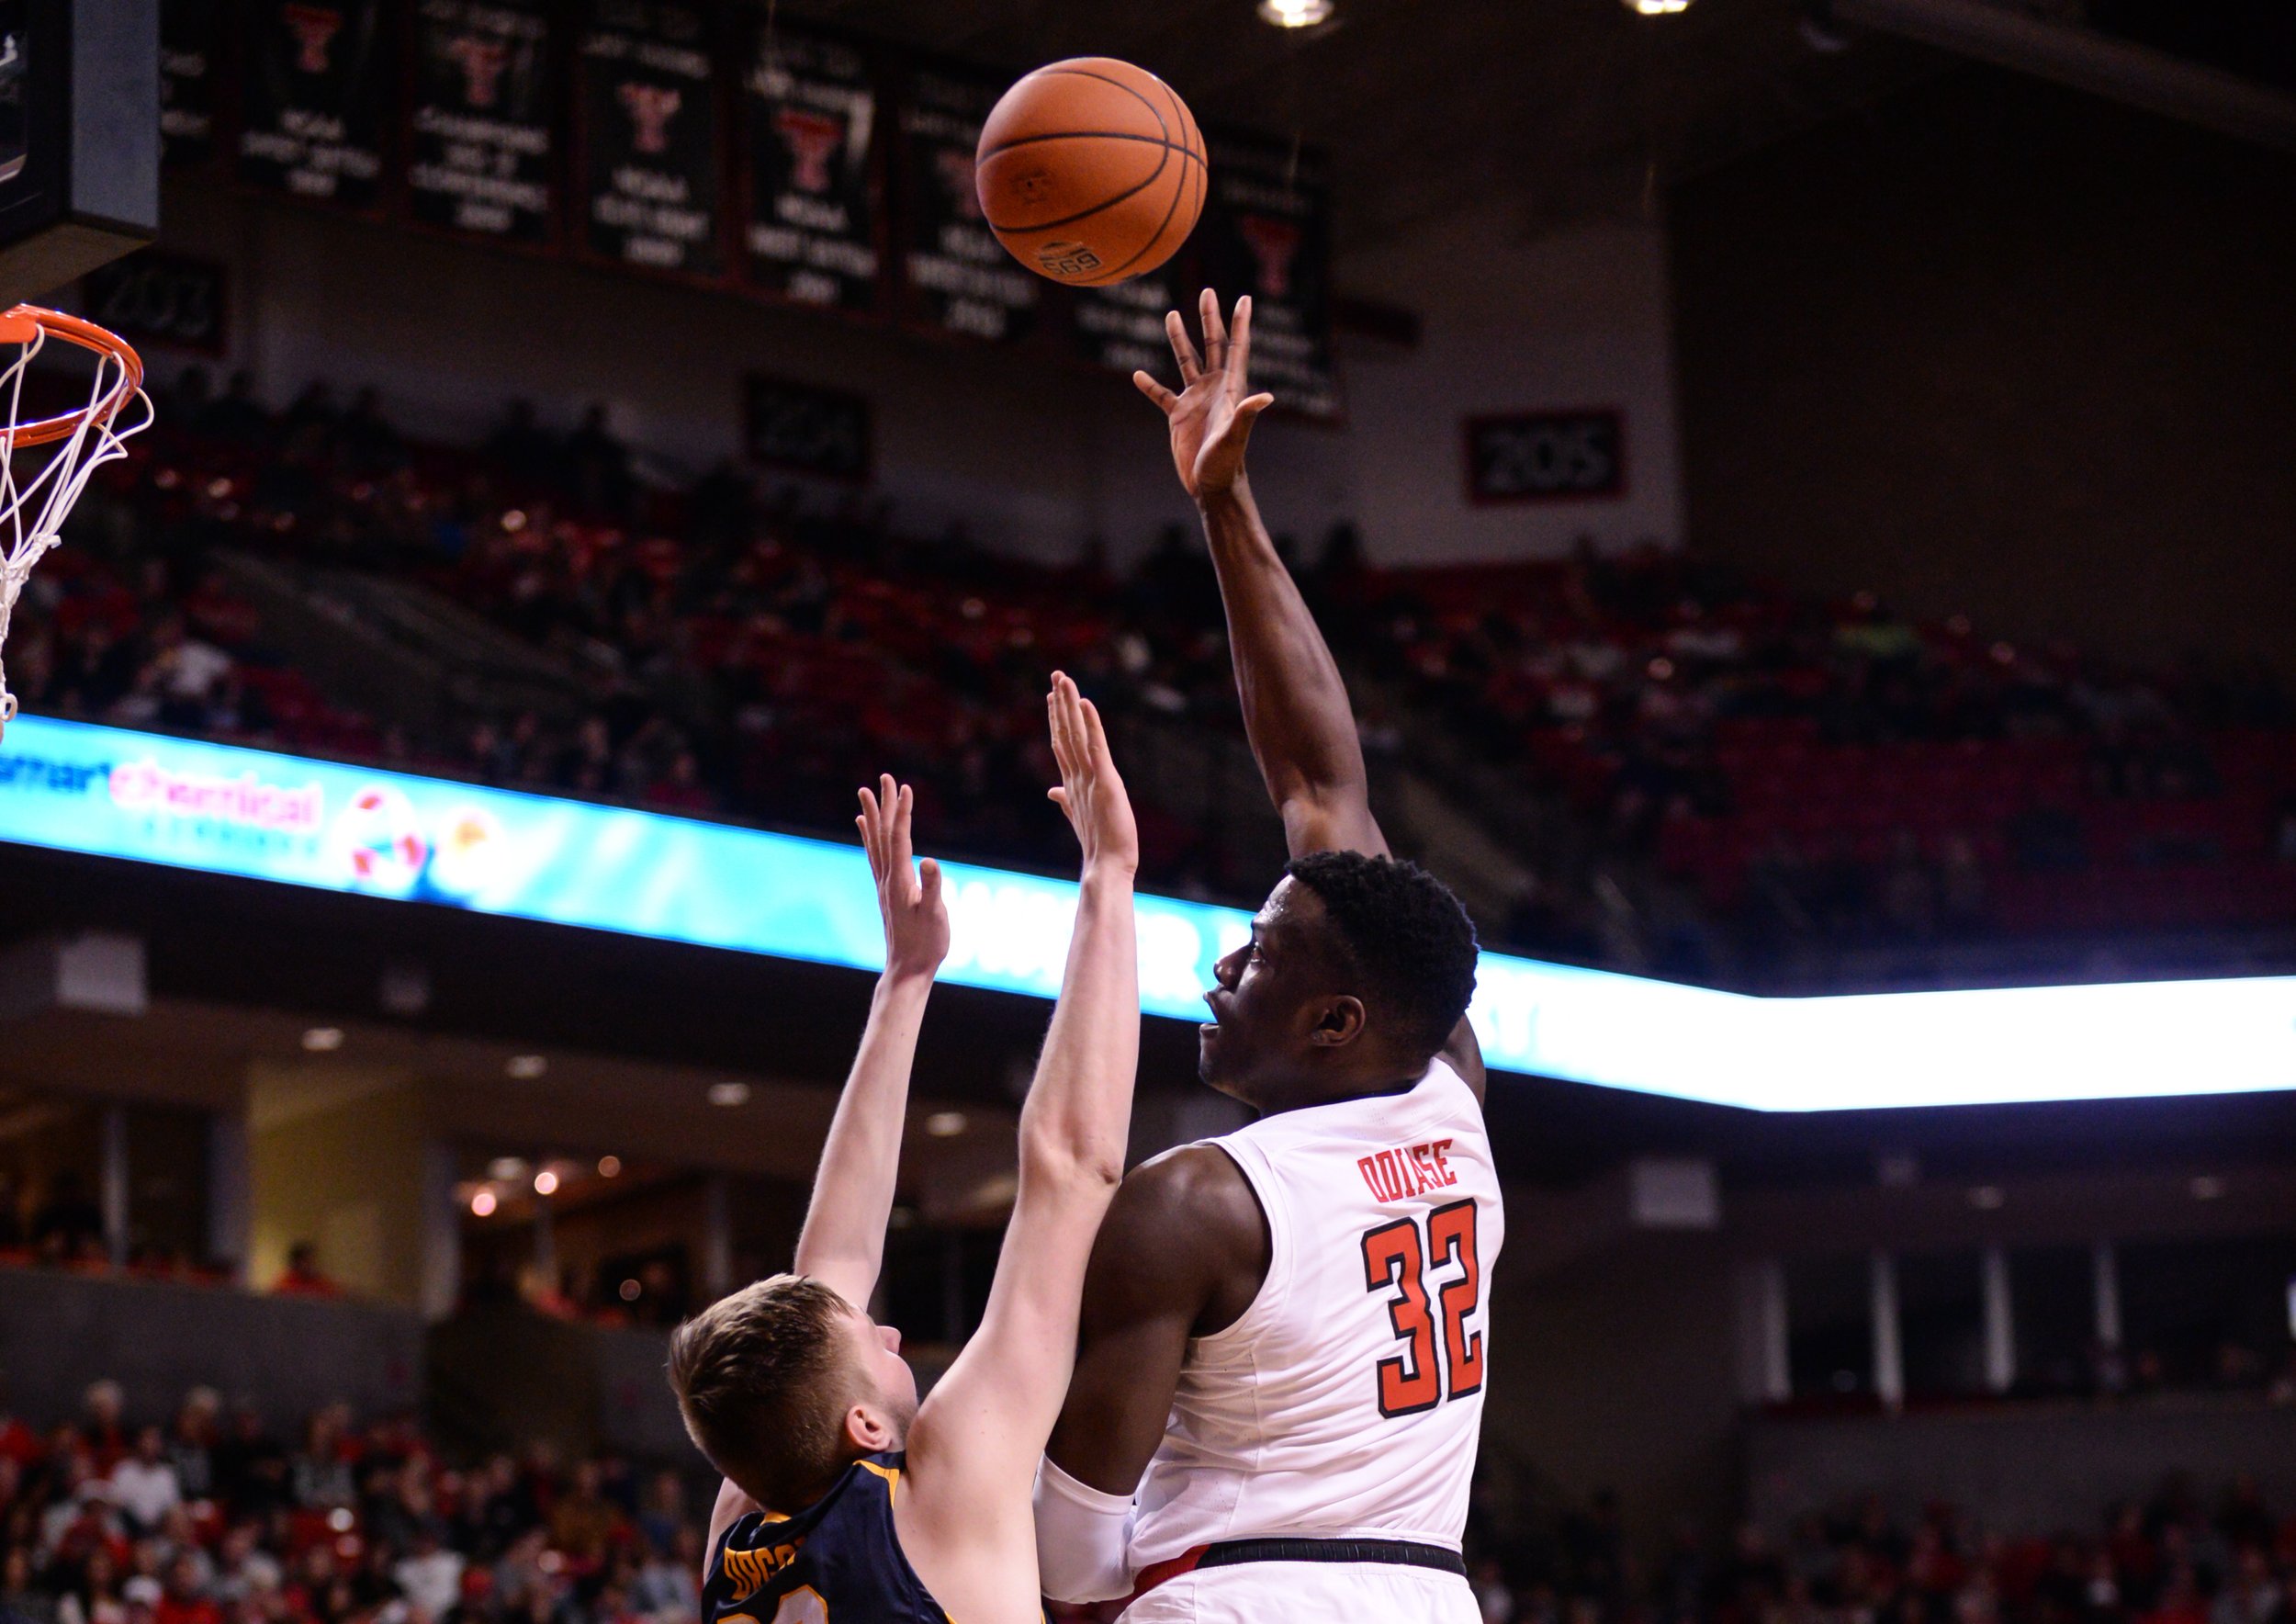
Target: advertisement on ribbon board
x: 106, y: 792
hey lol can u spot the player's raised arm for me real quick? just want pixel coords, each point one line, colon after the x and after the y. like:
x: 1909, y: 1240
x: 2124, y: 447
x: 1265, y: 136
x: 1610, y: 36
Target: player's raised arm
x: 1295, y: 707
x: 973, y: 1449
x: 1296, y: 710
x: 843, y: 1242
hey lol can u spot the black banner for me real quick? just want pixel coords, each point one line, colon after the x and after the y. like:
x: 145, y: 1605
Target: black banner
x: 650, y: 176
x: 810, y: 111
x: 481, y: 133
x: 316, y: 100
x: 1267, y: 233
x: 160, y: 298
x: 187, y: 53
x: 808, y: 430
x: 1121, y: 328
x: 958, y: 278
x: 1537, y: 455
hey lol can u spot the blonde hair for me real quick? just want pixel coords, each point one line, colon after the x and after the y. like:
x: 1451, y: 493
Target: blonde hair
x: 763, y: 1382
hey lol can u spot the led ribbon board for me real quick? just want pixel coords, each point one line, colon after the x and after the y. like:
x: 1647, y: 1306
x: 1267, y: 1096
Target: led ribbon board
x: 221, y: 809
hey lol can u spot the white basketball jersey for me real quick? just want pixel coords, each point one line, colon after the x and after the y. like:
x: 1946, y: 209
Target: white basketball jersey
x: 1346, y: 1402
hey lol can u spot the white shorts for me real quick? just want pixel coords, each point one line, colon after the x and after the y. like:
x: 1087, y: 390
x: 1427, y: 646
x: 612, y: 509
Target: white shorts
x: 1257, y: 1592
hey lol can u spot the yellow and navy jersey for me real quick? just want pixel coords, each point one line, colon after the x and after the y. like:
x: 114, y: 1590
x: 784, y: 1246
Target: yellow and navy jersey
x: 838, y: 1562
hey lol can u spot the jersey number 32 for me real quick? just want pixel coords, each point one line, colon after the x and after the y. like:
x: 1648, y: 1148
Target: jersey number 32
x: 1397, y: 1258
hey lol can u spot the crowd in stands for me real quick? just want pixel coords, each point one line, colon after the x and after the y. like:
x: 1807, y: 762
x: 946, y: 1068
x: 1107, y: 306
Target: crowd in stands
x: 1829, y: 771
x: 1814, y: 772
x: 2178, y: 1556
x: 213, y: 1517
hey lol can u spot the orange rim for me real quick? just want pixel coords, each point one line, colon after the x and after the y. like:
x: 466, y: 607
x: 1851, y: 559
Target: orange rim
x: 19, y: 325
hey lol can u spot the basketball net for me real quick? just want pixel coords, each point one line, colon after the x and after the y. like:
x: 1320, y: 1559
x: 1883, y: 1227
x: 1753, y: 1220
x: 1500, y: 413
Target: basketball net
x: 45, y: 464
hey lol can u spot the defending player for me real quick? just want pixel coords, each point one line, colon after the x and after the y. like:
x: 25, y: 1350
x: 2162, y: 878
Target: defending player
x: 1280, y: 1387
x: 845, y: 1501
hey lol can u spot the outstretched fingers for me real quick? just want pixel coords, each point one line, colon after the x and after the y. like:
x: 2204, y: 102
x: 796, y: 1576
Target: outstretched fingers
x: 1164, y: 399
x: 1240, y: 345
x: 902, y: 801
x: 867, y: 823
x: 1095, y: 738
x: 1215, y: 332
x: 1183, y: 348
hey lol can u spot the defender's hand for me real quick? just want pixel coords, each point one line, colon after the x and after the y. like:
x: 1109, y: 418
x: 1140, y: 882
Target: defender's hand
x: 908, y: 892
x: 1090, y: 791
x: 1212, y: 417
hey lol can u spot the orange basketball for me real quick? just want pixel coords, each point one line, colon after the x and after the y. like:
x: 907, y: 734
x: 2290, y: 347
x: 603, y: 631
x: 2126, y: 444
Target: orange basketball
x: 1091, y: 171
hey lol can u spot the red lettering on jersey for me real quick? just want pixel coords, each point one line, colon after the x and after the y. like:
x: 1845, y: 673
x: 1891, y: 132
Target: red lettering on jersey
x: 1399, y: 1173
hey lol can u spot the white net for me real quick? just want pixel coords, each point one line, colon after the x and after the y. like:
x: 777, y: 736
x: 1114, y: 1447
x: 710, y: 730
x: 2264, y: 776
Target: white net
x: 40, y: 478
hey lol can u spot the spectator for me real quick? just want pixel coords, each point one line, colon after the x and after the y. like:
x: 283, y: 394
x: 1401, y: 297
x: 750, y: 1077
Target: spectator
x: 68, y: 1222
x: 185, y: 1599
x: 101, y: 1406
x: 301, y: 1278
x: 583, y: 1523
x: 192, y: 1440
x: 20, y: 1601
x: 145, y: 1488
x: 667, y: 1587
x: 430, y: 1574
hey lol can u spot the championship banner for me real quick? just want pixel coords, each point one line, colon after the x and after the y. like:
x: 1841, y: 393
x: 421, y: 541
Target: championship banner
x: 1121, y: 328
x: 480, y: 135
x: 316, y: 98
x: 810, y: 123
x: 651, y: 172
x: 957, y: 276
x: 187, y: 63
x: 1267, y: 233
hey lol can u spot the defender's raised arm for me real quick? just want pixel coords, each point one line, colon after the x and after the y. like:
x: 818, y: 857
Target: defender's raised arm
x: 975, y: 1446
x: 843, y: 1241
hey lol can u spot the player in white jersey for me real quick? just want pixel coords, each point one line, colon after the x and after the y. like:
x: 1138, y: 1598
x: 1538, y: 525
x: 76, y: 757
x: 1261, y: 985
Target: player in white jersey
x: 1279, y: 1381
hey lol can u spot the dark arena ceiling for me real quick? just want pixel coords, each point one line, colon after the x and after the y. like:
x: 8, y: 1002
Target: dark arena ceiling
x: 1570, y: 110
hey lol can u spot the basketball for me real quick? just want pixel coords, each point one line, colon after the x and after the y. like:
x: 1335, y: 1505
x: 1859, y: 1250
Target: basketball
x: 1091, y: 171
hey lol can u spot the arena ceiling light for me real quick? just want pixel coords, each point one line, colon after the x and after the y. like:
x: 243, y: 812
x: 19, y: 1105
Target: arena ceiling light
x: 1295, y: 14
x: 109, y: 792
x: 1657, y: 7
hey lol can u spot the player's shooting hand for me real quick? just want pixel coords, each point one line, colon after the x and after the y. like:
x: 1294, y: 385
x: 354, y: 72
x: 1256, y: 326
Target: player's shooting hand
x: 1212, y: 417
x: 908, y: 892
x: 1090, y: 791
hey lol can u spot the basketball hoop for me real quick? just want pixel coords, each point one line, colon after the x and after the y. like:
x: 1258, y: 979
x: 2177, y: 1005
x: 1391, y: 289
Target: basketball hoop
x: 38, y: 491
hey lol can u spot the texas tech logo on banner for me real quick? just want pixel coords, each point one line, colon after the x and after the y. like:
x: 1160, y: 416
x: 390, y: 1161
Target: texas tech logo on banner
x: 316, y: 98
x: 314, y: 28
x: 1275, y: 244
x: 480, y: 135
x: 810, y: 135
x: 960, y: 192
x: 481, y: 61
x: 812, y: 140
x: 651, y: 170
x: 1267, y: 233
x: 651, y: 107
